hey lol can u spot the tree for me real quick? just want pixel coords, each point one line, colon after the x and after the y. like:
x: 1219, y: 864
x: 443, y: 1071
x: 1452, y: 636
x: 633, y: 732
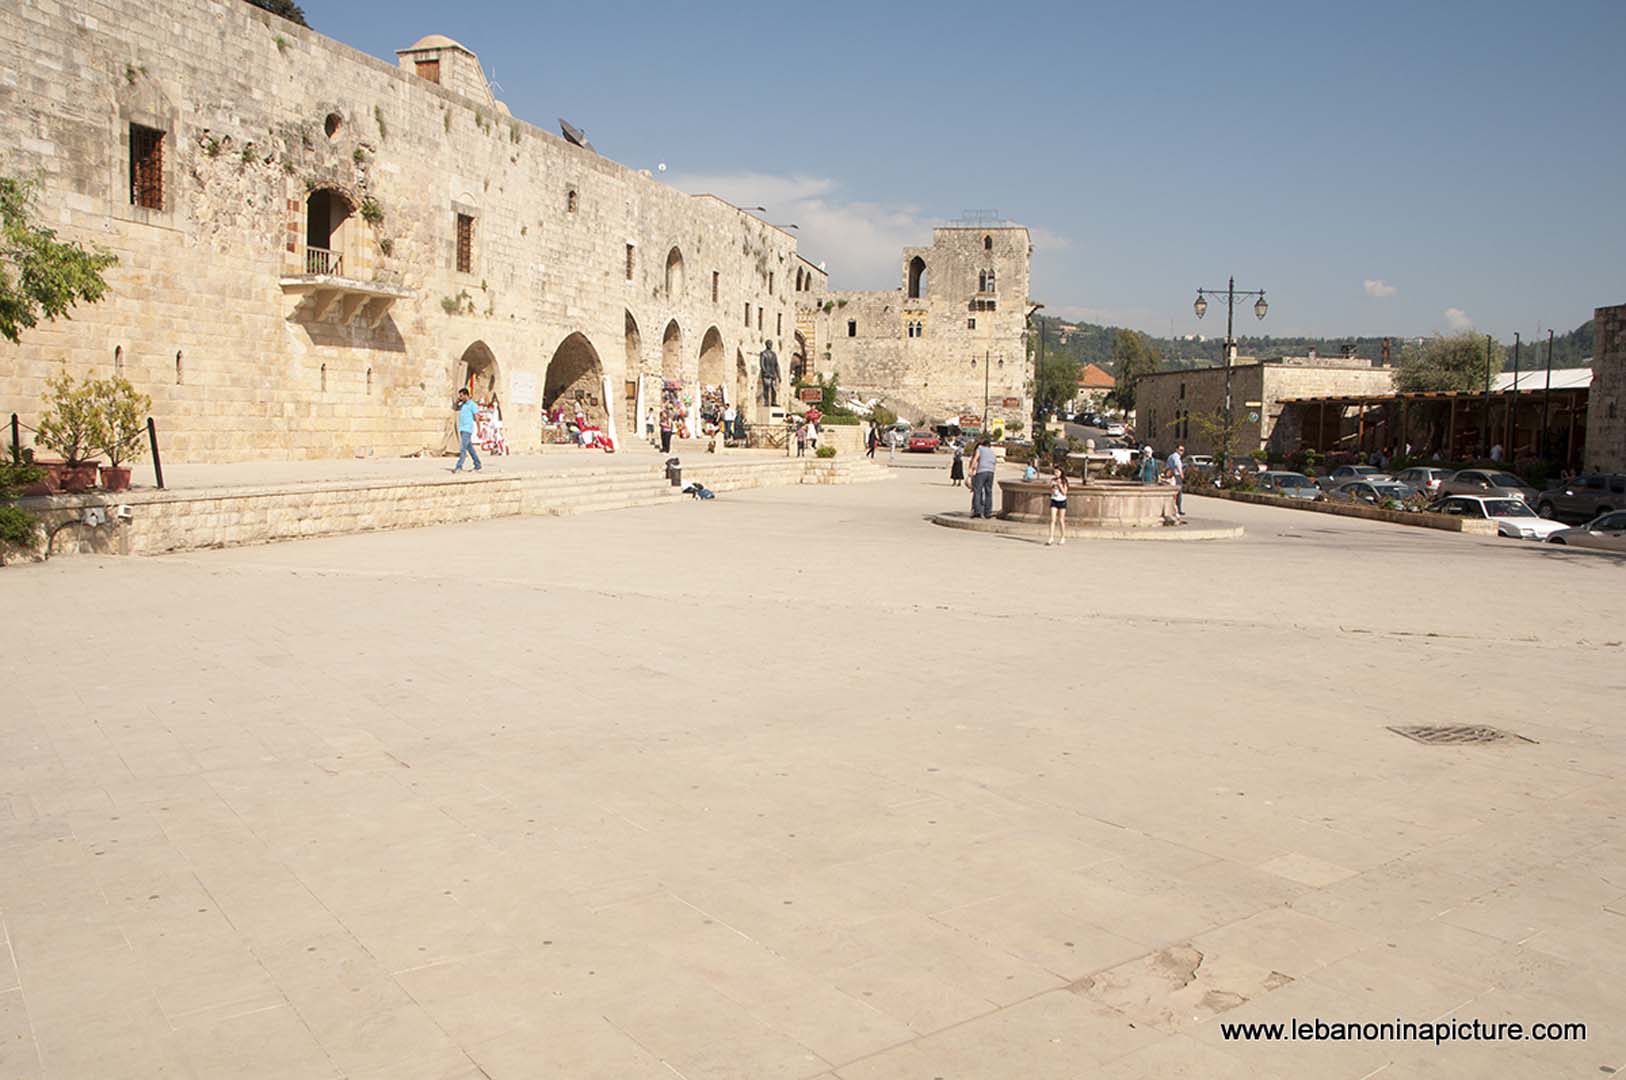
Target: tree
x: 1134, y: 356
x: 41, y: 276
x: 286, y: 8
x: 1055, y: 382
x: 1458, y: 362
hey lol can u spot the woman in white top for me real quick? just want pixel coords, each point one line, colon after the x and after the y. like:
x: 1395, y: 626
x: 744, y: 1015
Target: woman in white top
x: 1058, y: 505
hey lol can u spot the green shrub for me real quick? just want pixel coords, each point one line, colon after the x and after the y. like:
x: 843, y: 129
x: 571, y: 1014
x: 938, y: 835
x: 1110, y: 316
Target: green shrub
x: 826, y: 451
x: 883, y: 416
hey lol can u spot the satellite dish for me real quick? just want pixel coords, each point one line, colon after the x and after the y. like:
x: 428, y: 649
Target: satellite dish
x: 661, y: 167
x: 573, y: 134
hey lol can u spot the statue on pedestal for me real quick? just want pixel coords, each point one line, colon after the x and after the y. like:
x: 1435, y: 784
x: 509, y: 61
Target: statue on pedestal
x: 768, y: 362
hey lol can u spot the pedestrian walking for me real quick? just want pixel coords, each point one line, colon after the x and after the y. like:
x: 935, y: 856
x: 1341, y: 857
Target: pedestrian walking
x: 1176, y: 467
x: 1058, y: 505
x: 957, y: 469
x: 666, y: 431
x: 869, y: 441
x: 982, y: 480
x: 465, y: 409
x: 801, y: 440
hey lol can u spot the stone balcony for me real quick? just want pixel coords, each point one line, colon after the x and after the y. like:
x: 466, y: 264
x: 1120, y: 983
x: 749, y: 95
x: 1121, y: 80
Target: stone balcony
x: 325, y: 282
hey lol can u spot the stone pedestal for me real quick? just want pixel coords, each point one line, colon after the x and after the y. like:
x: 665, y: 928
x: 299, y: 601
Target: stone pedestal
x: 1106, y: 504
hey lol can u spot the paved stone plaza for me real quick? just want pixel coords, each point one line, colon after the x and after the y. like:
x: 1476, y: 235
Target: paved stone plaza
x: 793, y: 784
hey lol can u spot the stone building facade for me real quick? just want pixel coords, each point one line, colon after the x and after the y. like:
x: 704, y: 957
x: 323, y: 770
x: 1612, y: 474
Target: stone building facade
x: 1167, y: 402
x: 317, y: 247
x: 1606, y: 408
x: 952, y: 335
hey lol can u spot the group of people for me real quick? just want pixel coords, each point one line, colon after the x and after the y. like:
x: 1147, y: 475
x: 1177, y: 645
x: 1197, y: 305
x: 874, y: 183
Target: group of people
x: 807, y: 433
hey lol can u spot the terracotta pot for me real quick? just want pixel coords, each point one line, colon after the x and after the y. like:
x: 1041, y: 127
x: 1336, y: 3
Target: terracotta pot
x: 79, y: 478
x: 50, y: 482
x: 116, y: 477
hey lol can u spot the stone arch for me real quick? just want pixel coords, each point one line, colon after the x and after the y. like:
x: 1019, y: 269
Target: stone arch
x: 478, y: 371
x: 674, y: 272
x: 327, y: 216
x: 576, y: 375
x: 712, y: 369
x: 917, y: 278
x: 672, y: 352
x: 742, y: 380
x: 635, y: 370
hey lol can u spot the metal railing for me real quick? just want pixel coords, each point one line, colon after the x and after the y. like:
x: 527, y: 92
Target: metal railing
x: 322, y: 261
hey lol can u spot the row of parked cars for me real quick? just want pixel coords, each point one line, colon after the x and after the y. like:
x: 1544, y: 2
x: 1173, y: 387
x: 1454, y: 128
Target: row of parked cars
x: 1595, y: 504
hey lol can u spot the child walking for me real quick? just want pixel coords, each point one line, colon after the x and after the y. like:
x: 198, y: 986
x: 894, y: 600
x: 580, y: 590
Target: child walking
x: 1058, y: 505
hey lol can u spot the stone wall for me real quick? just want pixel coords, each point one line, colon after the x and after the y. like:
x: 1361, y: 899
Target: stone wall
x: 206, y: 313
x: 1606, y: 405
x: 964, y: 323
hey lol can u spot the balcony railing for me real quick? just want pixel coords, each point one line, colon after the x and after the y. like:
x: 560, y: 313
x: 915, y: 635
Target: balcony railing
x: 322, y: 261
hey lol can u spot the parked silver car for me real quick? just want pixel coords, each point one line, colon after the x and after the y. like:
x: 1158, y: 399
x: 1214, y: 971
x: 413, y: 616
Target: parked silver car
x: 1493, y: 483
x: 1584, y: 497
x: 1290, y: 484
x: 1606, y: 531
x: 1426, y: 478
x: 1371, y: 492
x: 1343, y: 474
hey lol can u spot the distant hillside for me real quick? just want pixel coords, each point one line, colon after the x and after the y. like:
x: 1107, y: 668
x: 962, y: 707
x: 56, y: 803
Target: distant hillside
x: 1090, y: 343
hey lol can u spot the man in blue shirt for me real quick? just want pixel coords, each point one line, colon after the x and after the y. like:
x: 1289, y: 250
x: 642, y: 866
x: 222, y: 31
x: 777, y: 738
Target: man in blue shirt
x: 465, y: 431
x: 981, y: 481
x: 1175, y: 466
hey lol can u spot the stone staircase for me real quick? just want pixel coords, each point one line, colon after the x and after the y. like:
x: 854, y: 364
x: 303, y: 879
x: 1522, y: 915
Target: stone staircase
x: 167, y: 521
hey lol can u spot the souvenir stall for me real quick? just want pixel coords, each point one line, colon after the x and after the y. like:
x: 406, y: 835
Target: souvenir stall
x: 488, y: 429
x: 676, y: 402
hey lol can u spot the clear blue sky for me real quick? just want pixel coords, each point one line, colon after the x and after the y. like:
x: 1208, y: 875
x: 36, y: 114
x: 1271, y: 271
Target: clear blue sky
x: 1378, y: 167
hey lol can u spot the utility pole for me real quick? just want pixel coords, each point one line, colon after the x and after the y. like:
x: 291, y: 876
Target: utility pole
x: 1484, y: 427
x: 1513, y: 402
x: 1546, y: 398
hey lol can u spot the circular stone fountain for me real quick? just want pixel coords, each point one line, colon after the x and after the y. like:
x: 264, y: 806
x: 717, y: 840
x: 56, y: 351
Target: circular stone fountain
x: 1101, y: 510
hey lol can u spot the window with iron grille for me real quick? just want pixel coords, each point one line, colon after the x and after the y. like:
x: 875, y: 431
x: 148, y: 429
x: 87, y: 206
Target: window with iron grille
x: 146, y: 167
x: 465, y: 244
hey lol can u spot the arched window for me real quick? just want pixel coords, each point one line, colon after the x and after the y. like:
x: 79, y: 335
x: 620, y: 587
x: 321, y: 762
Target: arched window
x: 118, y: 359
x: 988, y: 243
x: 917, y: 277
x: 324, y: 378
x: 674, y: 273
x: 985, y: 281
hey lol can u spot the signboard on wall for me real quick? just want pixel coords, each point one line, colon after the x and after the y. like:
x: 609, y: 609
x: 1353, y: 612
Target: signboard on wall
x: 522, y: 387
x: 810, y: 393
x: 1011, y: 403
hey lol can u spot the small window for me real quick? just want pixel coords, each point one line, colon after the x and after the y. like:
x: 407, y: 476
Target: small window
x: 429, y: 69
x: 631, y: 260
x: 971, y: 323
x: 570, y: 201
x: 770, y: 282
x: 146, y: 167
x: 748, y: 314
x: 715, y: 279
x: 759, y: 319
x: 332, y: 124
x: 369, y: 382
x: 852, y: 327
x: 178, y: 369
x: 988, y: 243
x: 465, y: 244
x: 324, y: 378
x: 1182, y: 391
x: 915, y: 328
x: 779, y: 325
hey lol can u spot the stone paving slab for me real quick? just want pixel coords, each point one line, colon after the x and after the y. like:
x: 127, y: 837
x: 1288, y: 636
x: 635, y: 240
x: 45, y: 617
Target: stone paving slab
x: 795, y: 784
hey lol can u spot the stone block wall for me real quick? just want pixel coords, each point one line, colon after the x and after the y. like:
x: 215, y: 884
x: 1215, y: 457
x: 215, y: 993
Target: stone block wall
x: 256, y: 114
x: 1606, y: 403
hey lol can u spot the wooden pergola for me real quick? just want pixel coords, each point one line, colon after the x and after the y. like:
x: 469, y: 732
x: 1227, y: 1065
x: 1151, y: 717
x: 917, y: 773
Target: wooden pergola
x: 1459, y: 425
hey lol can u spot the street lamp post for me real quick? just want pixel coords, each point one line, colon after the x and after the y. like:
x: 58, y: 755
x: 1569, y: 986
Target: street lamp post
x: 1230, y: 292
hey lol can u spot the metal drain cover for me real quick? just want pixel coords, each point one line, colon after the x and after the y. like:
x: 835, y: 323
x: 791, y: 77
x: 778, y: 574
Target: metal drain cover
x: 1457, y: 734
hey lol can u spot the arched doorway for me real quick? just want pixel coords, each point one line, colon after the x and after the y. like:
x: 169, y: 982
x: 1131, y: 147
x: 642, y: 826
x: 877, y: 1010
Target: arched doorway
x: 674, y: 273
x: 712, y: 370
x: 742, y: 380
x: 917, y: 278
x: 478, y: 372
x: 326, y: 213
x: 575, y: 376
x: 635, y: 372
x: 672, y: 353
x: 799, y: 370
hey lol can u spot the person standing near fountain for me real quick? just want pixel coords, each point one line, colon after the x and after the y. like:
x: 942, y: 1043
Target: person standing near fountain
x: 957, y: 470
x: 982, y: 480
x: 1176, y: 466
x: 1058, y: 505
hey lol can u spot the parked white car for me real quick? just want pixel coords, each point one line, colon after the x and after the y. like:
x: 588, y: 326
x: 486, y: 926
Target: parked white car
x: 1116, y: 429
x: 1513, y: 517
x: 1606, y: 531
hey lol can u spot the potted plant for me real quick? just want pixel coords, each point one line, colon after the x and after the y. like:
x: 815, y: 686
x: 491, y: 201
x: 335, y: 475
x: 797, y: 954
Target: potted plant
x: 70, y: 427
x: 121, y: 413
